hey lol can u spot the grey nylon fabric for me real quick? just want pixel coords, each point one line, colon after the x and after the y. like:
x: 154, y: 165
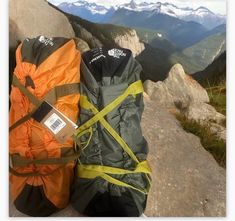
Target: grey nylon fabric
x: 103, y: 149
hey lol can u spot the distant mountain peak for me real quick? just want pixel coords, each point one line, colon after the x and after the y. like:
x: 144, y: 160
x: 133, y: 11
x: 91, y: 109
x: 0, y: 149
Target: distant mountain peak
x: 83, y: 4
x: 133, y: 3
x: 163, y: 8
x: 203, y: 9
x: 87, y: 9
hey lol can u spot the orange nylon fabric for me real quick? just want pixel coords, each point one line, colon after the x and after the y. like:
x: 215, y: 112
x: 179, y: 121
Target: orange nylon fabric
x: 31, y: 139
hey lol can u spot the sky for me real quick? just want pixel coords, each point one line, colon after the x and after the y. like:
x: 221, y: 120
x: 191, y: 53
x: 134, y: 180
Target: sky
x: 217, y: 6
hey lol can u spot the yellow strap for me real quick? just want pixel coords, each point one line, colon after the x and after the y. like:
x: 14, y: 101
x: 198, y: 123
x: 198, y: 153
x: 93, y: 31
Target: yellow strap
x: 86, y: 143
x: 134, y: 88
x: 84, y: 103
x: 119, y: 139
x: 142, y: 167
x: 91, y: 175
x: 93, y: 171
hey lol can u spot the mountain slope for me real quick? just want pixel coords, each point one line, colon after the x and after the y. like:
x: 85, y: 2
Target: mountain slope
x: 155, y: 39
x: 205, y: 51
x: 155, y: 62
x: 218, y: 29
x: 104, y: 32
x: 107, y: 34
x: 180, y: 32
x: 213, y: 73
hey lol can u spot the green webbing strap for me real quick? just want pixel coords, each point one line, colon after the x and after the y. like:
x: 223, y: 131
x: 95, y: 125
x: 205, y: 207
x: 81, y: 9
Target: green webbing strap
x: 29, y: 174
x: 22, y: 120
x: 68, y: 155
x: 61, y: 91
x: 51, y: 97
x: 19, y: 161
x: 32, y: 98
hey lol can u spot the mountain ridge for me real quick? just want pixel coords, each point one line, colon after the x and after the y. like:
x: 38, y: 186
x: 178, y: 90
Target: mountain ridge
x: 201, y: 14
x: 182, y: 33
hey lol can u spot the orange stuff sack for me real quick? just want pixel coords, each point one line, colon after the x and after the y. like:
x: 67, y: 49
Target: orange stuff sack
x: 41, y: 168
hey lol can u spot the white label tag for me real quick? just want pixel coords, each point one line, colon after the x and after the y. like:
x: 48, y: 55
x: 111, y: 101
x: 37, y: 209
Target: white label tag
x: 55, y: 123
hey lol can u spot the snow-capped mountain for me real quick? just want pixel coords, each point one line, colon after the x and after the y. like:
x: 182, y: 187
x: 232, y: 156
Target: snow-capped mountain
x: 100, y: 13
x: 92, y: 7
x: 201, y: 15
x: 87, y: 10
x: 165, y: 8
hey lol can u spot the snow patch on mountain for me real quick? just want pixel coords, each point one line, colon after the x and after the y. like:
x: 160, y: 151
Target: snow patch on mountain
x: 165, y: 8
x: 92, y: 7
x: 201, y: 15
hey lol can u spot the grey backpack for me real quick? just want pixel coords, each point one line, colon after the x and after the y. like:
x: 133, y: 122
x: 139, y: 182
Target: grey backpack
x: 113, y: 176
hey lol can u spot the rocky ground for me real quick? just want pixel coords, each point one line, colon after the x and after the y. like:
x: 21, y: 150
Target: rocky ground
x: 187, y: 181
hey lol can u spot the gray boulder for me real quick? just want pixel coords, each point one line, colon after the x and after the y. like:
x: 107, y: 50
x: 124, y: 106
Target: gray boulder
x: 159, y: 92
x: 178, y: 89
x: 179, y: 92
x: 82, y: 33
x: 187, y: 181
x: 32, y: 18
x: 203, y: 112
x: 82, y: 46
x: 218, y: 130
x: 14, y: 34
x: 207, y: 115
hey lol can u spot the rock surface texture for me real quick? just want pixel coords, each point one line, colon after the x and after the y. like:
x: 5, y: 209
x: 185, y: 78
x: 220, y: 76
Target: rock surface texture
x: 177, y: 89
x: 187, y: 181
x: 32, y: 18
x: 131, y: 41
x: 82, y: 33
x: 181, y: 92
x: 82, y: 46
